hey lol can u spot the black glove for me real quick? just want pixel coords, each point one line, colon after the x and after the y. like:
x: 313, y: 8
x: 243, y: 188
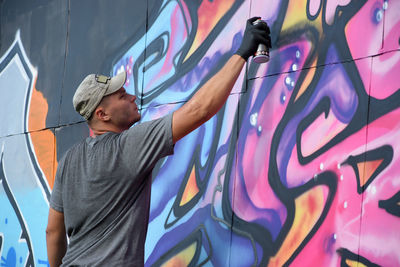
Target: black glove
x: 253, y: 36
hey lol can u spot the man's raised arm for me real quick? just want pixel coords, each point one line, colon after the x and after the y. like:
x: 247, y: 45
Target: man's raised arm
x: 209, y: 99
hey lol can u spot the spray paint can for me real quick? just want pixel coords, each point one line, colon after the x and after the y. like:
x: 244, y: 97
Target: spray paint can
x: 262, y: 53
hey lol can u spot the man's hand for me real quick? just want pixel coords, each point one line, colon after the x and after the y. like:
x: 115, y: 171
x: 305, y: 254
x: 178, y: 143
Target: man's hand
x: 253, y: 36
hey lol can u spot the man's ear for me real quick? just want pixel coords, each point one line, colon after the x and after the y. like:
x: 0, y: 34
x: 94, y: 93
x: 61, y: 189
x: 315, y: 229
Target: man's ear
x: 101, y: 114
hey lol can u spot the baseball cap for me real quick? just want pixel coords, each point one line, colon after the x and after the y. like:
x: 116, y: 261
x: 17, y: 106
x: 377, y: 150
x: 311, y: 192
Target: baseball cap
x: 92, y: 90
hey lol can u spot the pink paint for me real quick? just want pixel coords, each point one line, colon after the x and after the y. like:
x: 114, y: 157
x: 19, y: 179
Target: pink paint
x: 331, y: 7
x: 379, y: 229
x: 320, y: 132
x: 392, y: 26
x: 385, y: 76
x: 379, y: 232
x: 363, y: 32
x: 257, y: 149
x: 247, y: 211
x: 339, y: 229
x: 314, y: 7
x: 251, y: 194
x: 186, y: 14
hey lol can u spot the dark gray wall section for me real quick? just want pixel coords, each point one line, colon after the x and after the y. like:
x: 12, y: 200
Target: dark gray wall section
x: 42, y: 26
x: 67, y: 136
x: 68, y: 39
x: 99, y: 32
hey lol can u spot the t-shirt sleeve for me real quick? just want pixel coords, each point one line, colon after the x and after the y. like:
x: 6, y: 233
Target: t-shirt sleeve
x: 56, y: 194
x: 144, y: 144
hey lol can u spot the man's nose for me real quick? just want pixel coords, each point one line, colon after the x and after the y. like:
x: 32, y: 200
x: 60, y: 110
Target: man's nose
x: 133, y: 98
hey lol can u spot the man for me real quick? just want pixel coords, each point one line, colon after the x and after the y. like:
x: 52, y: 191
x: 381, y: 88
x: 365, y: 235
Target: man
x: 101, y: 194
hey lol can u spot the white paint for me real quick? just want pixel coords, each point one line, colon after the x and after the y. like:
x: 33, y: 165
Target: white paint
x: 253, y: 119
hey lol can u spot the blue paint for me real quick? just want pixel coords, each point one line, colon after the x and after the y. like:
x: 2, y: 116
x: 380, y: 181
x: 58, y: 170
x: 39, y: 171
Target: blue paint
x: 378, y: 15
x: 44, y: 262
x: 11, y: 259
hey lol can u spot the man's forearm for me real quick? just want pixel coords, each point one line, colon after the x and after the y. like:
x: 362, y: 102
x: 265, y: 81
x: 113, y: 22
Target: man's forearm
x: 56, y: 248
x: 210, y: 98
x: 213, y: 94
x: 206, y: 102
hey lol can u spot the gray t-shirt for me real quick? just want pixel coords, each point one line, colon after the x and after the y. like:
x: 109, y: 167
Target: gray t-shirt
x: 103, y: 187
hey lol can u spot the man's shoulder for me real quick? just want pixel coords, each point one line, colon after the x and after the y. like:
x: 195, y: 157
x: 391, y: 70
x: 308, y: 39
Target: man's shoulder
x: 149, y: 123
x: 75, y: 148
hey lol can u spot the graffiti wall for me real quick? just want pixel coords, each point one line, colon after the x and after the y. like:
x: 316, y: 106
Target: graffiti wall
x: 299, y: 168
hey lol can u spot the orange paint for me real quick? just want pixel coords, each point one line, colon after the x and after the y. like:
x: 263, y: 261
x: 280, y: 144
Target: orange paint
x: 309, y: 207
x: 43, y: 140
x: 312, y: 205
x: 191, y: 189
x: 209, y: 13
x: 352, y: 263
x: 309, y: 77
x: 296, y: 17
x: 183, y: 258
x: 366, y: 169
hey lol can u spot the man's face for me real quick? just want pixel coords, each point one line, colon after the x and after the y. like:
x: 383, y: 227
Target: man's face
x: 122, y: 109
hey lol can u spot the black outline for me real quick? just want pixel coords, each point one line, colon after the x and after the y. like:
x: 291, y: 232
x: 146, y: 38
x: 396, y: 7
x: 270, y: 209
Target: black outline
x: 346, y: 254
x: 391, y: 205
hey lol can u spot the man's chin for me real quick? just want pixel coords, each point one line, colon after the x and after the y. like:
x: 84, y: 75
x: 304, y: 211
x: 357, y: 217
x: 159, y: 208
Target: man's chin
x: 137, y: 119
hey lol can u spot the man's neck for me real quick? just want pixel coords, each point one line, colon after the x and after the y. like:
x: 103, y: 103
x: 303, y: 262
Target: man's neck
x: 97, y: 131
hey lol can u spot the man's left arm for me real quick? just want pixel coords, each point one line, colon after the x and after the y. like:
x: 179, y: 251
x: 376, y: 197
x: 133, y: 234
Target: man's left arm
x: 210, y: 98
x: 56, y: 237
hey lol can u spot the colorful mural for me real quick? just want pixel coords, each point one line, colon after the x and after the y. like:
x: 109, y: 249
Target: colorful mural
x: 299, y: 168
x: 24, y: 190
